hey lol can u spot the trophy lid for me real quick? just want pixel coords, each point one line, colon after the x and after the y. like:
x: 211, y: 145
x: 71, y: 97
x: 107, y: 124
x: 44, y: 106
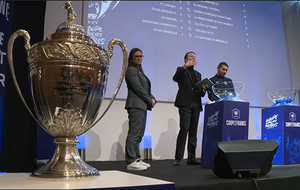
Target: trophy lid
x: 69, y: 42
x: 70, y: 27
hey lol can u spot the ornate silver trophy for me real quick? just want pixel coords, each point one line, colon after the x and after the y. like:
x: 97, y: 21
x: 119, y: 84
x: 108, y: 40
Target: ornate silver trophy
x: 68, y: 76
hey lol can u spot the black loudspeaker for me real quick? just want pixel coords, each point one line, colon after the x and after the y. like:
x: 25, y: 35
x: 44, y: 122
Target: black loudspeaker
x: 244, y: 158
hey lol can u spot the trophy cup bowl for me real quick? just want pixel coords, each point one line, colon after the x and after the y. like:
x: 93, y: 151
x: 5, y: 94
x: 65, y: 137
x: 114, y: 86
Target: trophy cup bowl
x: 68, y: 76
x: 283, y: 97
x: 228, y: 90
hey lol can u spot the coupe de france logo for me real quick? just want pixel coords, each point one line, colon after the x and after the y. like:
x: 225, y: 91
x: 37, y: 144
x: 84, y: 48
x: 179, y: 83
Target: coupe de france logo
x: 236, y: 113
x: 292, y: 116
x: 97, y: 9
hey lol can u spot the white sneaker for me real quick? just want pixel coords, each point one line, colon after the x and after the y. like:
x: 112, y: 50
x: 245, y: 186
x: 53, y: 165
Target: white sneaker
x: 143, y: 163
x: 136, y: 166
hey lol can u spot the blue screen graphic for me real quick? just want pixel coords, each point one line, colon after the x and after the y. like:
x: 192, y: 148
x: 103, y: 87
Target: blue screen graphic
x: 248, y: 35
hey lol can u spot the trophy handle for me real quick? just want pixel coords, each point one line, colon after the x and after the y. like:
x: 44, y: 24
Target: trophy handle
x: 110, y: 52
x: 27, y: 46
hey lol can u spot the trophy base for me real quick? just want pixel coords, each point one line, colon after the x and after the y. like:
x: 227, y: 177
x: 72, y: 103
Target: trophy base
x: 66, y: 162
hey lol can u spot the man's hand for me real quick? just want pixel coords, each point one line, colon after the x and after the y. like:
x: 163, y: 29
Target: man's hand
x: 191, y: 62
x: 205, y: 87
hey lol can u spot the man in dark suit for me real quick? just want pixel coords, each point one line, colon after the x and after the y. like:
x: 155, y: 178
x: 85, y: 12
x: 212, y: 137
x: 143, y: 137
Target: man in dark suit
x: 188, y: 101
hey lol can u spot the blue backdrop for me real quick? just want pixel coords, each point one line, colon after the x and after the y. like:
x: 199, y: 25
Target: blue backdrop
x: 6, y: 13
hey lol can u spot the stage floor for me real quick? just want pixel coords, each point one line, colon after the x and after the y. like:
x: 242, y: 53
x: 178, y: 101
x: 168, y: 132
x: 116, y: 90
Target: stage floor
x: 108, y: 180
x: 161, y: 175
x: 189, y: 177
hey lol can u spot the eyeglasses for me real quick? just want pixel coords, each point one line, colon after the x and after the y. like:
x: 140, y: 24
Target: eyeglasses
x: 139, y: 56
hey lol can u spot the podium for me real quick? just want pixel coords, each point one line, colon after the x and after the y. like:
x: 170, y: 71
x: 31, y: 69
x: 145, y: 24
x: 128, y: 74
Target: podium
x: 282, y: 124
x: 223, y: 121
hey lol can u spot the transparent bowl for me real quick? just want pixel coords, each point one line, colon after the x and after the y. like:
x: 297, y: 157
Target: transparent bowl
x: 283, y: 97
x: 228, y: 90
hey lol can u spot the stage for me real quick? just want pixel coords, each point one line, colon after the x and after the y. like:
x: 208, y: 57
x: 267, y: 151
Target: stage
x: 187, y: 177
x: 161, y: 175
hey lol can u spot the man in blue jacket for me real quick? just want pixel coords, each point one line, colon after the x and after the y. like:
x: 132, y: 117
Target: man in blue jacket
x: 218, y: 78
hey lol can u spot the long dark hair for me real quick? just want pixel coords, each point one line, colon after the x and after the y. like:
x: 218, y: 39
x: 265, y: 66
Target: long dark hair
x: 130, y: 60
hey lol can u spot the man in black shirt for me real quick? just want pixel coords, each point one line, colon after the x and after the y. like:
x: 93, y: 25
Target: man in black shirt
x: 188, y: 102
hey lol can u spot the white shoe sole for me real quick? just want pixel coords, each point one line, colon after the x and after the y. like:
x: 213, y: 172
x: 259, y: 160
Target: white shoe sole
x: 146, y: 165
x: 137, y: 169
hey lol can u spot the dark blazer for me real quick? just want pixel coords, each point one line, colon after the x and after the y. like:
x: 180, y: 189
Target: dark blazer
x: 139, y: 90
x: 186, y: 88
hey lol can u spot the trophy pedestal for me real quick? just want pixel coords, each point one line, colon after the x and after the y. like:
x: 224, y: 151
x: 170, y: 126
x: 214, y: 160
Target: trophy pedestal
x: 223, y: 121
x: 66, y: 162
x: 282, y: 124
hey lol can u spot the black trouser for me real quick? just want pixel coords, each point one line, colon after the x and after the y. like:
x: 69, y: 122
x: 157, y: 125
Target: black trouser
x: 137, y: 122
x: 189, y: 117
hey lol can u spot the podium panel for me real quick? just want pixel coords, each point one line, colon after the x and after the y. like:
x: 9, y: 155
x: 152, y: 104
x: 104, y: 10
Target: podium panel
x: 223, y: 121
x: 282, y: 124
